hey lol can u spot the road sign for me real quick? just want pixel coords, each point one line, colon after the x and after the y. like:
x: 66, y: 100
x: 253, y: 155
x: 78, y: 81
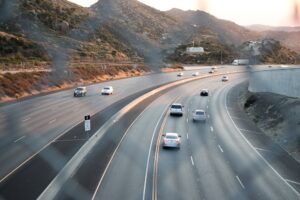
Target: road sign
x: 87, y: 123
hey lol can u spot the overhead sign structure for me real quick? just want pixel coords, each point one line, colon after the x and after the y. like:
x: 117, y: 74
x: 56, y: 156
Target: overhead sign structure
x: 87, y: 123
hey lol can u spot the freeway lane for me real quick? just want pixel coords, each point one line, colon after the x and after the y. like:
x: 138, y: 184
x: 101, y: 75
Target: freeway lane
x: 125, y: 177
x: 214, y: 162
x: 201, y: 167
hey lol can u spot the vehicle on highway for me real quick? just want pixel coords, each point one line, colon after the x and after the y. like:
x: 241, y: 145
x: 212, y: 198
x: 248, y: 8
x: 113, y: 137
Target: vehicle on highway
x: 171, y: 140
x: 211, y: 71
x: 195, y: 74
x: 225, y: 78
x: 80, y: 92
x: 180, y: 74
x: 107, y: 90
x: 176, y: 109
x: 214, y: 68
x: 204, y: 92
x: 199, y: 115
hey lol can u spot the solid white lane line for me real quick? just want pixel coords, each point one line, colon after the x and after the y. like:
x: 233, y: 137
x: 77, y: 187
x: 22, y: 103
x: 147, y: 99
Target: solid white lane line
x: 260, y: 149
x: 187, y: 136
x: 239, y: 180
x: 192, y: 160
x: 239, y: 118
x: 220, y: 148
x: 207, y: 106
x: 52, y: 121
x: 187, y: 120
x: 294, y: 182
x: 21, y: 138
x: 26, y: 119
x: 149, y: 152
x: 249, y: 131
x: 211, y: 129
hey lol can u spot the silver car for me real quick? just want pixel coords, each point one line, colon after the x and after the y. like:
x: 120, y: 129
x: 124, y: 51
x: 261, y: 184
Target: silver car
x: 199, y: 115
x: 171, y: 140
x: 176, y: 109
x: 80, y: 91
x: 225, y: 78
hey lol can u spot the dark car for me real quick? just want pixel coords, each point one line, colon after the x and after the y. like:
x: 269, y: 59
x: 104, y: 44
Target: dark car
x: 204, y: 92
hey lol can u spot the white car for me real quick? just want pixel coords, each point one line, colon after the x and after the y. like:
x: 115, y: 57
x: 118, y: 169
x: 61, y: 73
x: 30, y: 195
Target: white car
x: 225, y: 78
x: 107, y: 90
x: 195, y: 74
x: 199, y: 115
x: 176, y: 109
x: 171, y: 140
x: 80, y: 92
x: 180, y: 74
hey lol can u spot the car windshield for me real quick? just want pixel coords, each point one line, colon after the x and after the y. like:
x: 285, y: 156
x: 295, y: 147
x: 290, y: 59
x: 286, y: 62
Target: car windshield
x: 200, y: 113
x: 80, y: 89
x: 171, y: 137
x: 107, y: 88
x: 176, y: 106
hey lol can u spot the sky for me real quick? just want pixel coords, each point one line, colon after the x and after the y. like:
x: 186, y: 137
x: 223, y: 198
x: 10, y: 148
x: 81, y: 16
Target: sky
x: 243, y: 12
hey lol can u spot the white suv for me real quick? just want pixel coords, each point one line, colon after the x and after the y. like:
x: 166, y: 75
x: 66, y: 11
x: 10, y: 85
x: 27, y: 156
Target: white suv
x: 176, y: 109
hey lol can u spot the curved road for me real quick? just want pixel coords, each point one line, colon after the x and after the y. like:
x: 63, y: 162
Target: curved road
x: 214, y: 162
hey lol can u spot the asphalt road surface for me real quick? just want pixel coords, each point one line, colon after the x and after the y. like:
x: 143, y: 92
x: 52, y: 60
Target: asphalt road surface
x: 27, y: 126
x: 215, y: 160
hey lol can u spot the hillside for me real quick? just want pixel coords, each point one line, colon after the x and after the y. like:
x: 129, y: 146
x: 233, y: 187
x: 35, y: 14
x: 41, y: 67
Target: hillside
x: 214, y: 53
x: 148, y: 30
x: 64, y: 30
x: 268, y: 51
x: 262, y: 28
x: 228, y: 32
x: 288, y: 39
x: 288, y: 36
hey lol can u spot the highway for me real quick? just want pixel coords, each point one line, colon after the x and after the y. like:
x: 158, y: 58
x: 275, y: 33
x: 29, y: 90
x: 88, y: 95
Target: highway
x: 216, y: 160
x: 27, y: 126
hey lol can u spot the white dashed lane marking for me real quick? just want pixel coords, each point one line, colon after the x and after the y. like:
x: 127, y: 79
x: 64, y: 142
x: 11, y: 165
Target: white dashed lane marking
x: 220, y: 148
x: 21, y: 138
x: 192, y: 160
x: 52, y: 121
x: 241, y: 183
x: 26, y: 119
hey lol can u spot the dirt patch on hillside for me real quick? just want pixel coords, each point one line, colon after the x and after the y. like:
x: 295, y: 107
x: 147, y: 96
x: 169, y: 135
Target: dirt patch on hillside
x: 278, y: 116
x: 18, y: 85
x: 174, y: 68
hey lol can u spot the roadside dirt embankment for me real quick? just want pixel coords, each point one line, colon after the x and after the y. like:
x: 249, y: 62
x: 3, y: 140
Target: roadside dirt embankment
x: 277, y: 116
x: 17, y: 85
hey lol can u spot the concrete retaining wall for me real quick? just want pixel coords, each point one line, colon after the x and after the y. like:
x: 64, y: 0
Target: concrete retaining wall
x: 284, y: 82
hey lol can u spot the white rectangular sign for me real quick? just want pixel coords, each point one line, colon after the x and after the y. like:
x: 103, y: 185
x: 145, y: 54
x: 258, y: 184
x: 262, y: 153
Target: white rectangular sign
x: 87, y: 125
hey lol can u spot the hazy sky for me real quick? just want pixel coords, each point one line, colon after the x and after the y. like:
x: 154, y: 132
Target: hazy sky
x: 244, y: 12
